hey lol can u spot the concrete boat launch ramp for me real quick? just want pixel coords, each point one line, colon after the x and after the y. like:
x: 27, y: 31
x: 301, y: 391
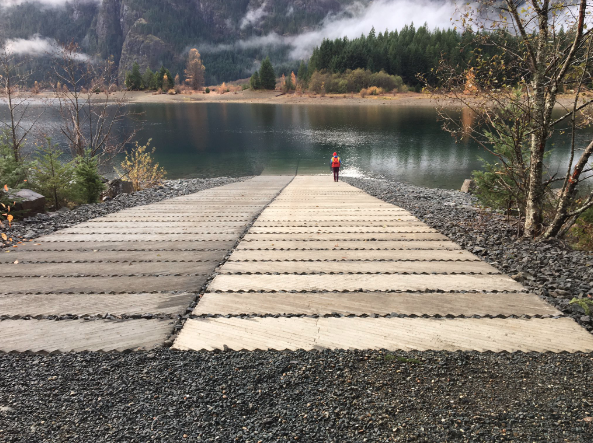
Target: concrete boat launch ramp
x: 325, y: 265
x: 119, y: 282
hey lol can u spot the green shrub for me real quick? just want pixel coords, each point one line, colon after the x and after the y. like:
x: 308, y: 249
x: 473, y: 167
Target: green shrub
x: 207, y: 91
x: 12, y: 173
x: 87, y: 180
x: 52, y: 178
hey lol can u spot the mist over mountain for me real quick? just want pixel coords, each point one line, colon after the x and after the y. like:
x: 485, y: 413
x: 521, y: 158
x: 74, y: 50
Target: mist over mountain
x: 232, y: 35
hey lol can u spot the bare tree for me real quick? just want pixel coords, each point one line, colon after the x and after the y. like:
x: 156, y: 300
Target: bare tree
x: 90, y: 106
x: 524, y: 54
x: 13, y: 81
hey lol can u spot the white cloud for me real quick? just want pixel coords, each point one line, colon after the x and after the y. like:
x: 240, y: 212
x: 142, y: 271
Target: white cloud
x: 38, y: 46
x: 8, y: 3
x: 381, y: 14
x: 254, y: 16
x: 353, y: 21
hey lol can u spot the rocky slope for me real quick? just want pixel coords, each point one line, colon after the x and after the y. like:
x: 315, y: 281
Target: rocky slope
x: 154, y: 33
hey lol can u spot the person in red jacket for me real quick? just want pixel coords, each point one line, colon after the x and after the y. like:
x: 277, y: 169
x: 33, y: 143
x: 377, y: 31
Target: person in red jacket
x: 335, y: 166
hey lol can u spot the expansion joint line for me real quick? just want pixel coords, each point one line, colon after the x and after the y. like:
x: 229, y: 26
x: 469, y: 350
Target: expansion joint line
x: 181, y: 321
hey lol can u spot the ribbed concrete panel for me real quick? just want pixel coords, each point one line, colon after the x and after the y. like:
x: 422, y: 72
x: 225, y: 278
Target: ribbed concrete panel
x: 131, y: 237
x: 111, y: 256
x: 145, y: 260
x: 357, y: 266
x: 136, y: 284
x: 381, y: 303
x: 336, y: 236
x: 395, y: 243
x: 350, y: 254
x: 80, y: 335
x: 105, y: 268
x: 188, y: 245
x: 539, y: 335
x: 95, y: 304
x: 349, y: 282
x: 325, y: 248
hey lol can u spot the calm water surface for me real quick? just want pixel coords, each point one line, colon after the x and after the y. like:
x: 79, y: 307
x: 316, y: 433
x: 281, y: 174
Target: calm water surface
x: 407, y: 143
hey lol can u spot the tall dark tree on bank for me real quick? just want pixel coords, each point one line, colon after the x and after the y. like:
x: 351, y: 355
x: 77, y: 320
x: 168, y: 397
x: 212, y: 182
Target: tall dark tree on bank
x: 267, y: 76
x: 302, y: 73
x: 525, y: 76
x: 134, y: 78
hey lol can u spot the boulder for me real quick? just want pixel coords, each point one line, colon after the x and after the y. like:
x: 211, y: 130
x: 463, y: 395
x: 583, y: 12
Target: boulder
x: 118, y: 186
x: 27, y: 200
x: 469, y: 186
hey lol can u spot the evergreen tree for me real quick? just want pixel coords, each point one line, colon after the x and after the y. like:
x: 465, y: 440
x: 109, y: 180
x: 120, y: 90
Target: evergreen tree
x: 160, y: 77
x: 88, y: 183
x: 302, y: 73
x: 134, y: 78
x: 254, y: 82
x: 147, y: 79
x: 51, y: 177
x: 267, y: 76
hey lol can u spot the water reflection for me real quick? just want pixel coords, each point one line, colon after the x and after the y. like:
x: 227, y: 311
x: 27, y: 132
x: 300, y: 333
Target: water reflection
x: 205, y: 140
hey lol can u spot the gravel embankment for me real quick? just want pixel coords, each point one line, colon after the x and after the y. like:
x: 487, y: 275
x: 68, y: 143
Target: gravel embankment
x: 43, y: 224
x: 330, y: 396
x: 550, y: 269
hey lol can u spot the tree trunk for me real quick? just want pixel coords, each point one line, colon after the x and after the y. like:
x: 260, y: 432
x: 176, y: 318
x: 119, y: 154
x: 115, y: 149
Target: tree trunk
x: 535, y: 195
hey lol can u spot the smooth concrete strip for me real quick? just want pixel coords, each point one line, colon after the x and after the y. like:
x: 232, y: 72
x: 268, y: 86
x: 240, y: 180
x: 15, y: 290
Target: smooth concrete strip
x: 324, y: 244
x: 354, y: 266
x: 102, y: 268
x: 381, y: 303
x: 367, y: 282
x: 68, y: 257
x: 497, y: 335
x: 351, y: 254
x: 81, y: 335
x: 101, y: 284
x: 95, y: 304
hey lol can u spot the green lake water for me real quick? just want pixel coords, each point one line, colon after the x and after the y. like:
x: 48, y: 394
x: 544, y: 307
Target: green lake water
x: 406, y: 143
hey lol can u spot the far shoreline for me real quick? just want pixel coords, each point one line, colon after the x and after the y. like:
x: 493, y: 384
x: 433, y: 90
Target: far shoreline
x: 396, y: 100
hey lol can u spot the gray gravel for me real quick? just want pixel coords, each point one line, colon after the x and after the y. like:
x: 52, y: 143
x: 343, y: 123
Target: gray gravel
x: 329, y: 396
x: 43, y: 224
x: 550, y: 269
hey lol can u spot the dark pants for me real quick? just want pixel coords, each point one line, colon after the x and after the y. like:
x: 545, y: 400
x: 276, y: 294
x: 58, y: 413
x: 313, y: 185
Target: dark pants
x: 336, y: 170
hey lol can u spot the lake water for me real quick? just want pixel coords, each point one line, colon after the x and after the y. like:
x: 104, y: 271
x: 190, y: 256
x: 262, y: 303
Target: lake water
x: 407, y: 143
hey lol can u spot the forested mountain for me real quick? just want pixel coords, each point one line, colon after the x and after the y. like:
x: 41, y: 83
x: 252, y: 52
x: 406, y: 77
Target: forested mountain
x: 153, y: 33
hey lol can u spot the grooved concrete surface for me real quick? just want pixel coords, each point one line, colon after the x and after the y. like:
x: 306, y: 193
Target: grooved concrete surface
x: 324, y: 248
x: 148, y: 261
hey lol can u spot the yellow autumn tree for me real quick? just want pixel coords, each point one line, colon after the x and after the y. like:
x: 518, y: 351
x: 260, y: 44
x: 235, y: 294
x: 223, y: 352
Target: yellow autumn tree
x: 140, y: 169
x: 293, y: 80
x: 194, y: 71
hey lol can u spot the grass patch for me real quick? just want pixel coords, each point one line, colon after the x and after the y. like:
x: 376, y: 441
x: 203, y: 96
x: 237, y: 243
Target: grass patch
x: 391, y: 357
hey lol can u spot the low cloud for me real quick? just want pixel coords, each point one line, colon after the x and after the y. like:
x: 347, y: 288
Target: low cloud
x: 38, y: 46
x: 254, y: 16
x: 57, y: 3
x: 351, y: 22
x: 382, y: 14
